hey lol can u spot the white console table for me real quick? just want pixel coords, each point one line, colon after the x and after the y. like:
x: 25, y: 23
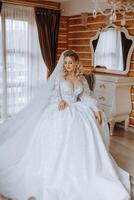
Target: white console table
x: 113, y: 93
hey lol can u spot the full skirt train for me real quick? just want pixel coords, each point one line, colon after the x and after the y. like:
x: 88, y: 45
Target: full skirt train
x: 63, y: 157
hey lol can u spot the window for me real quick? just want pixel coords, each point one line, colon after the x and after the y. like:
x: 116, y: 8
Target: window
x: 22, y: 70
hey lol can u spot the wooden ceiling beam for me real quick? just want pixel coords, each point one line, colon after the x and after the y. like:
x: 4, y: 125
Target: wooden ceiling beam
x: 35, y: 3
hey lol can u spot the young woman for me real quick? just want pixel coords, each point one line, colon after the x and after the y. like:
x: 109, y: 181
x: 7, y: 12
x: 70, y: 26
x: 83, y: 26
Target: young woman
x: 55, y: 149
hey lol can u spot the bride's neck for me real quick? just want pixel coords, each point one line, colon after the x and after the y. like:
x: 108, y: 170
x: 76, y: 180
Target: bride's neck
x: 71, y: 74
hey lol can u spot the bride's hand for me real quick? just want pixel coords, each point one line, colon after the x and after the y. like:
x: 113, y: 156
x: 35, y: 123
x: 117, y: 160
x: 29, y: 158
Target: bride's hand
x: 99, y: 117
x: 62, y: 105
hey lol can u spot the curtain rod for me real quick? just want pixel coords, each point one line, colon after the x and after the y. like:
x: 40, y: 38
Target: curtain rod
x: 30, y: 4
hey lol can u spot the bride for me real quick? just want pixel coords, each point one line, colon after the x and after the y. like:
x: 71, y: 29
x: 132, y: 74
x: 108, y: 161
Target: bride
x: 56, y: 148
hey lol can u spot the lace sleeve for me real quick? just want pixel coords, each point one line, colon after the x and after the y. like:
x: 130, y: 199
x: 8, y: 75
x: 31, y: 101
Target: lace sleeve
x: 56, y: 92
x: 88, y: 98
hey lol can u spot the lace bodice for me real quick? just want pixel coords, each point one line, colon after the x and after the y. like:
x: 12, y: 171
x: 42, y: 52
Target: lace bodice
x: 69, y: 92
x: 64, y: 90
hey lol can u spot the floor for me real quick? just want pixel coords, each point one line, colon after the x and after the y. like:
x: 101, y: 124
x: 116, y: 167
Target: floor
x: 122, y: 149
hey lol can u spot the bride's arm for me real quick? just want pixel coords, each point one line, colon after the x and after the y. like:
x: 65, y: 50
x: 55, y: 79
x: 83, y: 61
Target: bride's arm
x: 56, y: 95
x: 87, y: 97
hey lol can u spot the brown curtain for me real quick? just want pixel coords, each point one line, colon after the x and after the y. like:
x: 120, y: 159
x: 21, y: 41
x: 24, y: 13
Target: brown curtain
x: 95, y: 42
x: 126, y: 45
x: 0, y: 6
x: 48, y: 28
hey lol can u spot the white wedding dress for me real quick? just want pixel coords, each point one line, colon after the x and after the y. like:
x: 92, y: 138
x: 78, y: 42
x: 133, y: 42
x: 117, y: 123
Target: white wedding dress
x: 63, y: 155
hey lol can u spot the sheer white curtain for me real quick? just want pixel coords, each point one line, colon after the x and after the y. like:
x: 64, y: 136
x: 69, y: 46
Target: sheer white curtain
x: 109, y: 50
x: 22, y: 69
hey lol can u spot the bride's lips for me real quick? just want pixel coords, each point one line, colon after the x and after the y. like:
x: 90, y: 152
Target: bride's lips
x: 69, y: 68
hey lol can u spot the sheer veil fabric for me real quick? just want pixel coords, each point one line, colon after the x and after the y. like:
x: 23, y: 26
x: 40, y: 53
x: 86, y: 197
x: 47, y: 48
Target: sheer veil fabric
x: 25, y: 120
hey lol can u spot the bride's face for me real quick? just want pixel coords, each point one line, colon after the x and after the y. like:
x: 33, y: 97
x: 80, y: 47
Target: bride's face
x: 70, y: 64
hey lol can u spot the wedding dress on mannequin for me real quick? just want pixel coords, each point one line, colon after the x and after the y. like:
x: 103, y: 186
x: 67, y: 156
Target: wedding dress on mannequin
x: 59, y: 155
